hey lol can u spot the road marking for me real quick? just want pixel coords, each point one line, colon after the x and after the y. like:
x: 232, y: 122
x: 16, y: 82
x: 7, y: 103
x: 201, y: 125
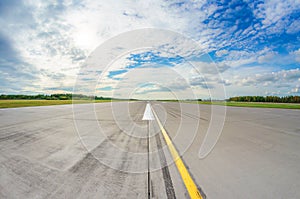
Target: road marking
x: 148, y: 148
x: 148, y: 115
x: 185, y: 175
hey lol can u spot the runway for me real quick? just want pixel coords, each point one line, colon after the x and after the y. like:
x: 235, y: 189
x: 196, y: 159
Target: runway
x: 107, y: 150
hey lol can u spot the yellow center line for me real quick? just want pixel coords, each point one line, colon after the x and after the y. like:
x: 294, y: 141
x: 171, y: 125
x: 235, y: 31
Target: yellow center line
x: 185, y: 175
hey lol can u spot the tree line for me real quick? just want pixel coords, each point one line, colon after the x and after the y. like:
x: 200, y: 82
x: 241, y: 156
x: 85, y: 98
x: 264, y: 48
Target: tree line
x: 284, y: 99
x: 52, y: 97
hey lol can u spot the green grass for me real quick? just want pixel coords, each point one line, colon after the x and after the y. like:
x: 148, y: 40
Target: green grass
x: 24, y: 103
x: 255, y: 104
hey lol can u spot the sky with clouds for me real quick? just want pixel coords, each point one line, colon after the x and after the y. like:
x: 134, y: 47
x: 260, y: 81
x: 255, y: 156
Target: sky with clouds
x: 243, y: 48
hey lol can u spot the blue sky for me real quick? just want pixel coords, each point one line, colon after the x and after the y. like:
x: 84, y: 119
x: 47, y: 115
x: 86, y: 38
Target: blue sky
x: 254, y: 45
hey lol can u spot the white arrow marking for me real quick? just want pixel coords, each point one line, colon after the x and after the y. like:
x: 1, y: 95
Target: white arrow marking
x: 148, y: 115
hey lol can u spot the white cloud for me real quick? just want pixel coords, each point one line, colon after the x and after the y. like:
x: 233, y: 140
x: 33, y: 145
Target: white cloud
x: 56, y: 36
x: 297, y: 55
x: 273, y: 11
x: 242, y: 58
x: 282, y: 76
x: 294, y: 27
x: 54, y: 39
x: 264, y: 83
x: 220, y: 53
x: 266, y: 57
x: 296, y: 90
x: 210, y: 68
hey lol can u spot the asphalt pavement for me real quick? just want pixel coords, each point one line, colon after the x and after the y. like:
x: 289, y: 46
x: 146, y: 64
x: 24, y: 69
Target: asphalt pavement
x: 107, y: 150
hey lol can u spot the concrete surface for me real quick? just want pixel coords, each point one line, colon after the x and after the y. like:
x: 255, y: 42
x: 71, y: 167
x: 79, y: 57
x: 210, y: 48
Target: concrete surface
x: 103, y: 151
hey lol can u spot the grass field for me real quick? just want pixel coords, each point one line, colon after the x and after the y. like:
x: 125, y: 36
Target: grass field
x: 255, y: 104
x: 24, y: 103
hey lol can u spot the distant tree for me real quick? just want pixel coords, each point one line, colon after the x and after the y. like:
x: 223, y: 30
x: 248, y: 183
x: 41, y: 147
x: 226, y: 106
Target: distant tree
x: 68, y: 96
x: 275, y: 99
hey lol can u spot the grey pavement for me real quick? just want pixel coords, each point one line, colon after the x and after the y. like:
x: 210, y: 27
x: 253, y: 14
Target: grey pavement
x: 106, y: 150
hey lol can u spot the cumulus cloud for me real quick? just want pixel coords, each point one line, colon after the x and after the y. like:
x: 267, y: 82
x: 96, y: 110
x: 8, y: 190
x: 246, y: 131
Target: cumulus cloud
x: 294, y: 27
x: 55, y: 38
x: 15, y: 74
x: 201, y: 82
x: 266, y: 57
x: 210, y: 68
x: 296, y: 90
x: 220, y: 53
x: 283, y: 75
x: 297, y: 55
